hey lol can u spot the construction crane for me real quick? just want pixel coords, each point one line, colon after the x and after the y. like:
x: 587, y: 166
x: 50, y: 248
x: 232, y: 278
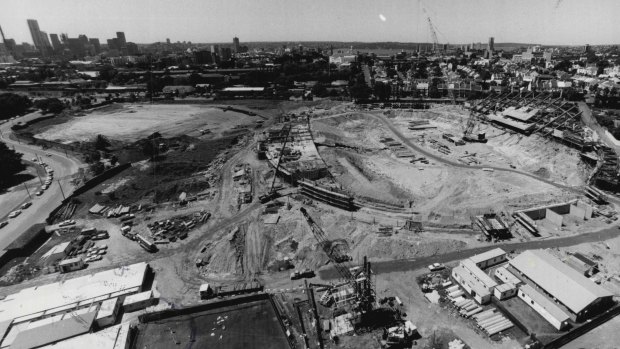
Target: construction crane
x: 272, y: 193
x: 335, y: 255
x: 431, y: 27
x: 360, y: 279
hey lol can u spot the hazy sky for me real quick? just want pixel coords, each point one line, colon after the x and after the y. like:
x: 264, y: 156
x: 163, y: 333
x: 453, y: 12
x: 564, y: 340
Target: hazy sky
x: 457, y: 21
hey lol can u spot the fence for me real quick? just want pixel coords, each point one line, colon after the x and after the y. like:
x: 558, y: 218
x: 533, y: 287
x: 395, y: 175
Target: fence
x: 581, y: 330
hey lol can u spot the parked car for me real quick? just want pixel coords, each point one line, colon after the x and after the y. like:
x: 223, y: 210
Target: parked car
x: 3, y: 224
x: 15, y: 213
x: 436, y: 267
x: 39, y: 193
x: 26, y: 205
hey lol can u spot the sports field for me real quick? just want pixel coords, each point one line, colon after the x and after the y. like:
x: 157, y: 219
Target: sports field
x: 248, y: 325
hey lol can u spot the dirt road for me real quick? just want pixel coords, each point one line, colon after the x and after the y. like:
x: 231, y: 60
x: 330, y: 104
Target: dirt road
x: 418, y: 263
x: 426, y: 153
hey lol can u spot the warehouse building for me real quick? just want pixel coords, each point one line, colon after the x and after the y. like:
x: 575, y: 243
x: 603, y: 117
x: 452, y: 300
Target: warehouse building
x: 579, y: 297
x: 543, y: 306
x: 53, y: 313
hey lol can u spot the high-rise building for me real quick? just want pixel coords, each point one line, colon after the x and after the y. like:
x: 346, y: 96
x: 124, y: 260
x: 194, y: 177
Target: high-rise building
x: 215, y: 53
x: 56, y: 45
x: 113, y: 44
x: 586, y: 48
x: 121, y: 39
x: 168, y: 41
x: 236, y: 44
x: 41, y: 43
x: 96, y: 45
x: 491, y: 45
x: 225, y: 53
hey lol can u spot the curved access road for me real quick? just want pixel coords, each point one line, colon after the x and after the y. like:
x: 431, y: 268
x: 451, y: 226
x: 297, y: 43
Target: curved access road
x: 64, y: 168
x: 422, y: 262
x: 437, y: 158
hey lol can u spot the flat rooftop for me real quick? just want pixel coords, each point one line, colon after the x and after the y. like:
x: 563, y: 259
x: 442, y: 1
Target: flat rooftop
x: 249, y: 324
x: 488, y: 255
x: 34, y: 302
x: 115, y: 337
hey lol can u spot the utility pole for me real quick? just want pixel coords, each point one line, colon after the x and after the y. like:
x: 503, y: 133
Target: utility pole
x: 30, y: 196
x: 61, y: 191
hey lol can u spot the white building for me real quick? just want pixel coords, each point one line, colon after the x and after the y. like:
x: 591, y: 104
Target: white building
x: 578, y: 296
x: 543, y: 306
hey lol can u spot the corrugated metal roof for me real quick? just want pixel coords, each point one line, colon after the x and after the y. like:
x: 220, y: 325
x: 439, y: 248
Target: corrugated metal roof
x: 558, y: 279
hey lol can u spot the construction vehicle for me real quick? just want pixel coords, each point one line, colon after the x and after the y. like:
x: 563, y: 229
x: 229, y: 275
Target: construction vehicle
x: 358, y: 278
x: 469, y: 129
x: 272, y: 193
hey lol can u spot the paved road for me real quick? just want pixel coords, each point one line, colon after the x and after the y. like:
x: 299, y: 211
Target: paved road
x: 437, y: 158
x: 423, y: 262
x: 64, y: 167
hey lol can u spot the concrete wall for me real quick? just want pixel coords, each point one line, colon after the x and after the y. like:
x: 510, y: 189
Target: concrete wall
x: 577, y: 212
x: 560, y: 209
x: 587, y: 208
x: 536, y: 214
x: 553, y: 218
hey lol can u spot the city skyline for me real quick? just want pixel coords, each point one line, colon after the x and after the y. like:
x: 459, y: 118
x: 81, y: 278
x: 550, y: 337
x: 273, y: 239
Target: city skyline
x: 526, y: 21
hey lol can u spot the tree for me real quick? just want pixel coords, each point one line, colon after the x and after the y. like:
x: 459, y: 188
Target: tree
x: 97, y: 168
x: 101, y: 143
x: 50, y: 105
x: 382, y: 91
x: 12, y: 104
x: 11, y: 164
x: 319, y: 90
x: 359, y: 91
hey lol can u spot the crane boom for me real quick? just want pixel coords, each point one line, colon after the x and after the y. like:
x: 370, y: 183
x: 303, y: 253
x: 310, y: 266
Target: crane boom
x: 334, y: 255
x: 271, y: 194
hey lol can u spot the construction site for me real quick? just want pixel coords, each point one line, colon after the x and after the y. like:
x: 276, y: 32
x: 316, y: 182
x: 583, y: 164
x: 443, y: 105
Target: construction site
x: 316, y: 223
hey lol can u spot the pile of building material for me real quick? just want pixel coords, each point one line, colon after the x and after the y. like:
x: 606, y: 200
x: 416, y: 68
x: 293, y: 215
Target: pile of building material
x: 420, y: 125
x: 177, y: 227
x: 242, y: 183
x: 65, y: 212
x: 467, y: 307
x: 492, y: 322
x: 442, y: 148
x: 385, y: 230
x: 596, y: 195
x: 118, y: 211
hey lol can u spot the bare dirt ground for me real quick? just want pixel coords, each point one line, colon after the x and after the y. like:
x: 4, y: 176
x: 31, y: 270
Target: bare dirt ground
x: 130, y: 122
x: 534, y: 154
x: 439, y: 192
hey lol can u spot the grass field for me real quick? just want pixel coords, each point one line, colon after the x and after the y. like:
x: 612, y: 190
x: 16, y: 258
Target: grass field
x: 249, y: 325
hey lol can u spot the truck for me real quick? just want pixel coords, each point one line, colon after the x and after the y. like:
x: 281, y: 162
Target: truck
x: 306, y: 273
x: 146, y: 243
x: 208, y: 291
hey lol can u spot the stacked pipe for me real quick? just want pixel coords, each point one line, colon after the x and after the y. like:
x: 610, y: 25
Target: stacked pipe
x: 492, y: 322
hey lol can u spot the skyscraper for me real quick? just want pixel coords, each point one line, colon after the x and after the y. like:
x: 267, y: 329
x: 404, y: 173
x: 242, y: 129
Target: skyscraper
x: 56, y: 42
x: 95, y: 43
x: 236, y: 44
x: 121, y: 39
x: 41, y: 43
x: 491, y: 45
